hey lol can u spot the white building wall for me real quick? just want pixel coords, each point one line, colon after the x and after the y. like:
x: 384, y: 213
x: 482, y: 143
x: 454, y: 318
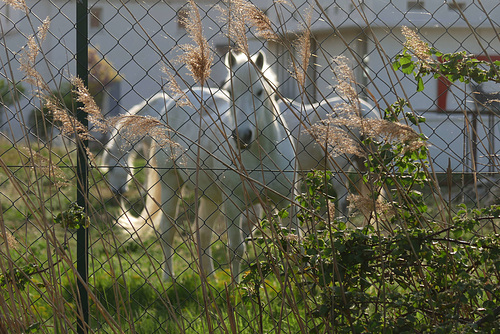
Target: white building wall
x: 138, y: 39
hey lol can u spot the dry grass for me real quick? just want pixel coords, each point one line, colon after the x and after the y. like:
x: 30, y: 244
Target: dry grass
x: 28, y: 64
x: 346, y: 119
x: 302, y: 47
x: 89, y: 106
x: 241, y: 15
x: 336, y: 132
x: 367, y: 206
x: 174, y: 89
x: 17, y: 4
x: 134, y: 127
x: 415, y: 44
x: 197, y: 56
x: 44, y: 166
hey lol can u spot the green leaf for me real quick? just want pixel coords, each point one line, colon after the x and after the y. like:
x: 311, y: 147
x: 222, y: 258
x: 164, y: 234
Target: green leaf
x: 408, y: 68
x: 74, y: 217
x: 420, y: 84
x: 396, y: 65
x: 415, y: 119
x: 33, y: 327
x: 458, y: 233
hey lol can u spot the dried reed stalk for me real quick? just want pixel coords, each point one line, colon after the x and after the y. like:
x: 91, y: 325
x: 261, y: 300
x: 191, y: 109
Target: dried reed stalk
x: 17, y: 4
x: 9, y: 241
x: 175, y: 90
x: 393, y: 132
x: 240, y: 15
x: 45, y: 167
x: 197, y: 57
x: 28, y: 58
x: 336, y: 130
x: 302, y: 47
x: 416, y: 45
x: 367, y: 206
x: 89, y: 106
x: 134, y: 127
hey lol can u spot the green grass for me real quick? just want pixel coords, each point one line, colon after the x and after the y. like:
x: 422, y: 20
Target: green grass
x: 126, y: 287
x: 124, y: 276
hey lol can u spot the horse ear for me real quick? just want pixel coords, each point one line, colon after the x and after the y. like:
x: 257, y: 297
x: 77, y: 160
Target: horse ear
x: 260, y: 59
x: 230, y: 59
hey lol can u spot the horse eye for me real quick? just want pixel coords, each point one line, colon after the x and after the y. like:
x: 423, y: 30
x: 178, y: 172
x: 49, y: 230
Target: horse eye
x: 259, y: 92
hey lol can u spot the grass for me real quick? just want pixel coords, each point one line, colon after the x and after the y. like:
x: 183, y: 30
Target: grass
x: 124, y: 275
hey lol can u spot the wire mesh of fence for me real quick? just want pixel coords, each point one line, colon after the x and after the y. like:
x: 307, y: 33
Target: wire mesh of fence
x: 249, y: 166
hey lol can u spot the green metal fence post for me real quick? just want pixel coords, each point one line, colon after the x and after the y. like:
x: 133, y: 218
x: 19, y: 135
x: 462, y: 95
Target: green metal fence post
x: 82, y: 164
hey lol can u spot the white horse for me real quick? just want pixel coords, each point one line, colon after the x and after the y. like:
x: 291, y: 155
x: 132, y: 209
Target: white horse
x: 314, y: 155
x: 234, y: 156
x: 300, y: 117
x: 122, y: 148
x: 310, y: 154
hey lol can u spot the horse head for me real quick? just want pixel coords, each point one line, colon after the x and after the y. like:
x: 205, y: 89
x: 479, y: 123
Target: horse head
x: 252, y: 95
x: 115, y: 164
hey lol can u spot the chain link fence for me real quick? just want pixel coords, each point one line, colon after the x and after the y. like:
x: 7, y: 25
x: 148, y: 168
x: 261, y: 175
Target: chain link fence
x: 135, y: 51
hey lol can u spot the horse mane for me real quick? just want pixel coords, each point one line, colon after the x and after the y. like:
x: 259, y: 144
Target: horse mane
x: 270, y: 75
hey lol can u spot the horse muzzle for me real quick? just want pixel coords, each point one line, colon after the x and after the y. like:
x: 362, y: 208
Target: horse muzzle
x: 243, y: 138
x: 120, y: 191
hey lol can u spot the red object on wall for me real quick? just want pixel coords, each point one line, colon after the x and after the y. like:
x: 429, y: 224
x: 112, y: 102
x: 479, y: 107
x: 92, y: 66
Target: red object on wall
x: 444, y: 84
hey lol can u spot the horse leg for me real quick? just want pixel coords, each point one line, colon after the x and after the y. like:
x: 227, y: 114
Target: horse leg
x: 250, y: 219
x: 341, y: 185
x: 366, y: 189
x: 235, y: 237
x: 208, y: 213
x: 169, y: 200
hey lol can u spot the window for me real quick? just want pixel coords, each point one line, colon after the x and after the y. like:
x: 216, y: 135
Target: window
x: 456, y: 6
x: 96, y: 17
x: 335, y: 9
x: 415, y: 6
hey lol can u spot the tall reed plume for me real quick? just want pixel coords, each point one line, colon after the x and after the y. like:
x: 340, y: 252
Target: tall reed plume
x: 44, y: 166
x: 347, y: 117
x: 17, y: 4
x: 197, y: 57
x: 240, y: 15
x: 302, y: 47
x: 134, y: 127
x: 416, y: 45
x: 336, y: 131
x: 175, y: 89
x: 69, y: 125
x: 28, y: 59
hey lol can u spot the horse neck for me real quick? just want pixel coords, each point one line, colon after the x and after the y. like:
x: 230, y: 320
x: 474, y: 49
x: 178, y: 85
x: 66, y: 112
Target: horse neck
x: 272, y: 125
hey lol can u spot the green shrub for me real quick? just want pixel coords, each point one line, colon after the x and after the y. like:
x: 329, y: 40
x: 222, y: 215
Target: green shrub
x: 406, y: 272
